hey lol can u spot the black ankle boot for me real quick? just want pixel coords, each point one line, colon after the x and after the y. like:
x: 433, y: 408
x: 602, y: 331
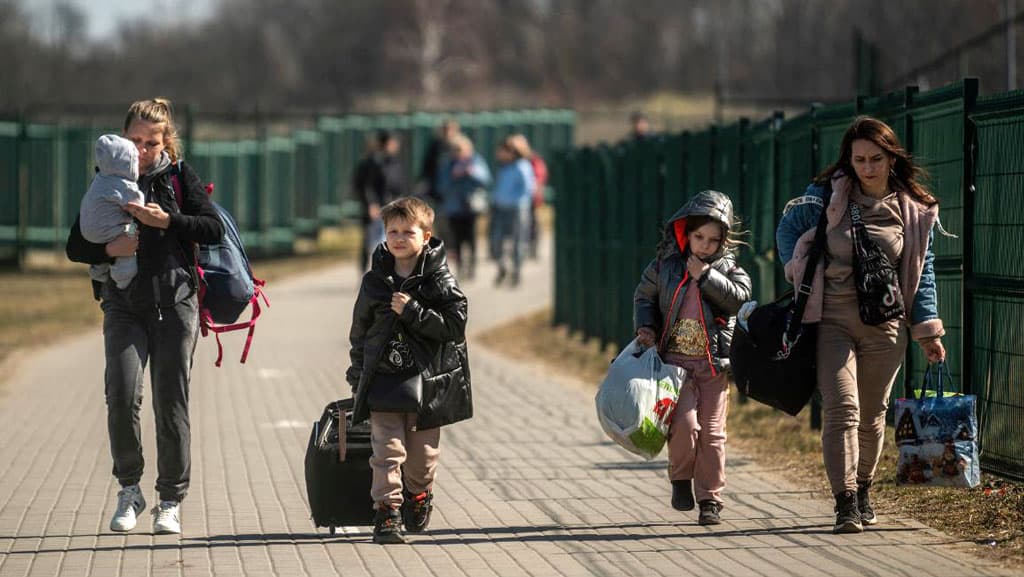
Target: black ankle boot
x: 867, y: 513
x: 682, y: 495
x: 847, y: 513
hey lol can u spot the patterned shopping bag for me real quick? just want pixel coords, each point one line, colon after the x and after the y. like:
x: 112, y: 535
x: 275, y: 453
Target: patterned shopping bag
x: 936, y: 432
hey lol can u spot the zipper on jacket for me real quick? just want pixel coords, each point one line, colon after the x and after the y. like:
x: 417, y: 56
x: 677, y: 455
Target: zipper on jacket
x: 156, y: 298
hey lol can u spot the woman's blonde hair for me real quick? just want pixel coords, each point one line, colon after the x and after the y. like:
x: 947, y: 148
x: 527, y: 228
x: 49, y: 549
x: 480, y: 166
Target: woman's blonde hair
x: 518, y: 144
x: 157, y: 111
x: 460, y: 141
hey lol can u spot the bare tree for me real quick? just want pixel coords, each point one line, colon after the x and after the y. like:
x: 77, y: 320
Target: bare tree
x: 330, y: 55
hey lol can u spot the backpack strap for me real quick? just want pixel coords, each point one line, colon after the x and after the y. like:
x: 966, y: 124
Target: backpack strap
x: 198, y: 275
x: 176, y: 184
x: 207, y: 325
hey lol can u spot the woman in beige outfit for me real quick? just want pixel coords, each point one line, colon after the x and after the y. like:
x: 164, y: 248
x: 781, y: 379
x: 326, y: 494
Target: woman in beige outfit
x: 877, y: 279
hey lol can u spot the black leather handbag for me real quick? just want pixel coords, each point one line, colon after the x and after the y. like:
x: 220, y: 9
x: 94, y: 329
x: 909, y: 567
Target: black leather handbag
x: 395, y: 393
x: 397, y: 386
x: 774, y: 360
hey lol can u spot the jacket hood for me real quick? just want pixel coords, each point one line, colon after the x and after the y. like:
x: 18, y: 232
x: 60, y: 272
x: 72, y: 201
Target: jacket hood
x: 432, y: 259
x: 117, y: 156
x: 709, y: 203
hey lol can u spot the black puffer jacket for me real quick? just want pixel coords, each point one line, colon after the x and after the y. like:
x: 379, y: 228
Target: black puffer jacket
x: 723, y: 288
x: 166, y: 263
x: 434, y: 322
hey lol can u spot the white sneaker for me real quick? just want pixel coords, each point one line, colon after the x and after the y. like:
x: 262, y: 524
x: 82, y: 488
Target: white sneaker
x: 165, y: 518
x: 130, y: 503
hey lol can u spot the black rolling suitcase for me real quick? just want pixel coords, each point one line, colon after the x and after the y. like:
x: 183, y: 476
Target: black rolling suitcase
x: 339, y: 490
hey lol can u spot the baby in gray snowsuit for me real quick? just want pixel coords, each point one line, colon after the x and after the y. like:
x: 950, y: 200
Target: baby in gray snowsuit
x: 102, y: 215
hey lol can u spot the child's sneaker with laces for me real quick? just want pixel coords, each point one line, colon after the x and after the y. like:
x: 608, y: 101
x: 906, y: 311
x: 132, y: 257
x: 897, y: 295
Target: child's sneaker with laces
x: 130, y: 503
x: 166, y: 520
x: 387, y: 526
x: 416, y: 511
x: 710, y: 512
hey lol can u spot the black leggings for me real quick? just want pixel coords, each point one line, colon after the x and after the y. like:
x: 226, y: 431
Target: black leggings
x: 463, y: 229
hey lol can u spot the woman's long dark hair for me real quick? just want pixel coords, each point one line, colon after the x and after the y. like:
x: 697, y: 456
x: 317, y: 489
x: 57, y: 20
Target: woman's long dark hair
x: 907, y: 175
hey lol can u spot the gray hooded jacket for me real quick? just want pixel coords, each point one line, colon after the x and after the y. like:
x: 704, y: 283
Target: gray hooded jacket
x: 102, y: 214
x: 723, y: 288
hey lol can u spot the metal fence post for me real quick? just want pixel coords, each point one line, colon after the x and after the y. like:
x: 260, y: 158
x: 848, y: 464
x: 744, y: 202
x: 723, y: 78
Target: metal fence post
x: 21, y: 162
x: 967, y: 305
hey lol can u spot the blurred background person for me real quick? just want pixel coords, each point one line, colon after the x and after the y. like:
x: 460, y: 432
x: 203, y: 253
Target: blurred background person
x: 377, y: 181
x: 434, y: 159
x: 465, y: 179
x: 510, y: 214
x: 540, y: 175
x: 639, y: 126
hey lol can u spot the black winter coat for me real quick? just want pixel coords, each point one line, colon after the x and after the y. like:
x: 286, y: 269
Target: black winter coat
x: 166, y: 259
x: 434, y: 322
x: 723, y: 288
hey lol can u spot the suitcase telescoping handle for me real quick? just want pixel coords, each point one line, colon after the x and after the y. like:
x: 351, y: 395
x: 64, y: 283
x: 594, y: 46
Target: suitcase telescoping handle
x: 342, y: 434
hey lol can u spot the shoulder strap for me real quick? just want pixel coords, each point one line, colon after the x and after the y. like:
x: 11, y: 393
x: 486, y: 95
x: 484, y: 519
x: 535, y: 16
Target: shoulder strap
x: 803, y: 291
x: 176, y: 183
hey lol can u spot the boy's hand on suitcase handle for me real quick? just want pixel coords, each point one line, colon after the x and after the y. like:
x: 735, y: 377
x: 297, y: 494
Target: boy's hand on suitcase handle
x: 398, y: 302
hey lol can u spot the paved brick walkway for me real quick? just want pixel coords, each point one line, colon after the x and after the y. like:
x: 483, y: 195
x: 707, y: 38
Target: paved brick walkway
x: 529, y: 487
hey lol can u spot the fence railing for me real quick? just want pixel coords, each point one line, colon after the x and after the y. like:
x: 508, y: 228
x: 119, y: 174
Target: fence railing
x: 613, y: 200
x: 278, y: 187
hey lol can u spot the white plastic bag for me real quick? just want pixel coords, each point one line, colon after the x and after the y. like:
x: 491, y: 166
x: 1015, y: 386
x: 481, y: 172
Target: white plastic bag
x: 636, y: 400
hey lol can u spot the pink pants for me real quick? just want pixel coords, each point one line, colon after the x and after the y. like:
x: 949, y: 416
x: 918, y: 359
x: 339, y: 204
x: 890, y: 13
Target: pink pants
x: 696, y: 443
x: 402, y: 457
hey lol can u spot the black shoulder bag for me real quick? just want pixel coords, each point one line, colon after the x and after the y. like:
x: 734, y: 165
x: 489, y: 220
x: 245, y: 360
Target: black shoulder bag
x: 397, y: 386
x: 774, y: 360
x: 879, y: 298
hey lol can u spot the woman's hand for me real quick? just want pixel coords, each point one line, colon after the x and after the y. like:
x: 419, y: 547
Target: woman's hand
x: 696, y: 267
x: 149, y: 215
x: 124, y: 245
x: 934, y: 351
x: 398, y: 302
x: 645, y: 337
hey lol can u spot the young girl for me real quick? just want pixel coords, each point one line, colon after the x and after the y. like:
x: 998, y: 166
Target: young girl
x: 685, y: 305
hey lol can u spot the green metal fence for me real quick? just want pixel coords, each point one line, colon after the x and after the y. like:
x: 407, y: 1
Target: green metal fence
x: 974, y: 151
x: 278, y: 187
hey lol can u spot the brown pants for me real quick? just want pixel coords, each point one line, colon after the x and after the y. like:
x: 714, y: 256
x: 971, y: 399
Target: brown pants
x: 857, y: 364
x: 402, y: 457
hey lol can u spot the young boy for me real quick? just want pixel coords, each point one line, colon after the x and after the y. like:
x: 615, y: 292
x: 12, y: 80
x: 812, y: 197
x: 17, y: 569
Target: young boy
x: 409, y: 322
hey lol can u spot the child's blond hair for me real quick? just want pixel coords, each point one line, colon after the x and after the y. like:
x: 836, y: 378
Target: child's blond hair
x: 411, y: 209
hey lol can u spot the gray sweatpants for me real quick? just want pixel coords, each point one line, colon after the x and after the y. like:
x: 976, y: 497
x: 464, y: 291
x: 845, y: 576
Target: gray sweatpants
x: 132, y: 338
